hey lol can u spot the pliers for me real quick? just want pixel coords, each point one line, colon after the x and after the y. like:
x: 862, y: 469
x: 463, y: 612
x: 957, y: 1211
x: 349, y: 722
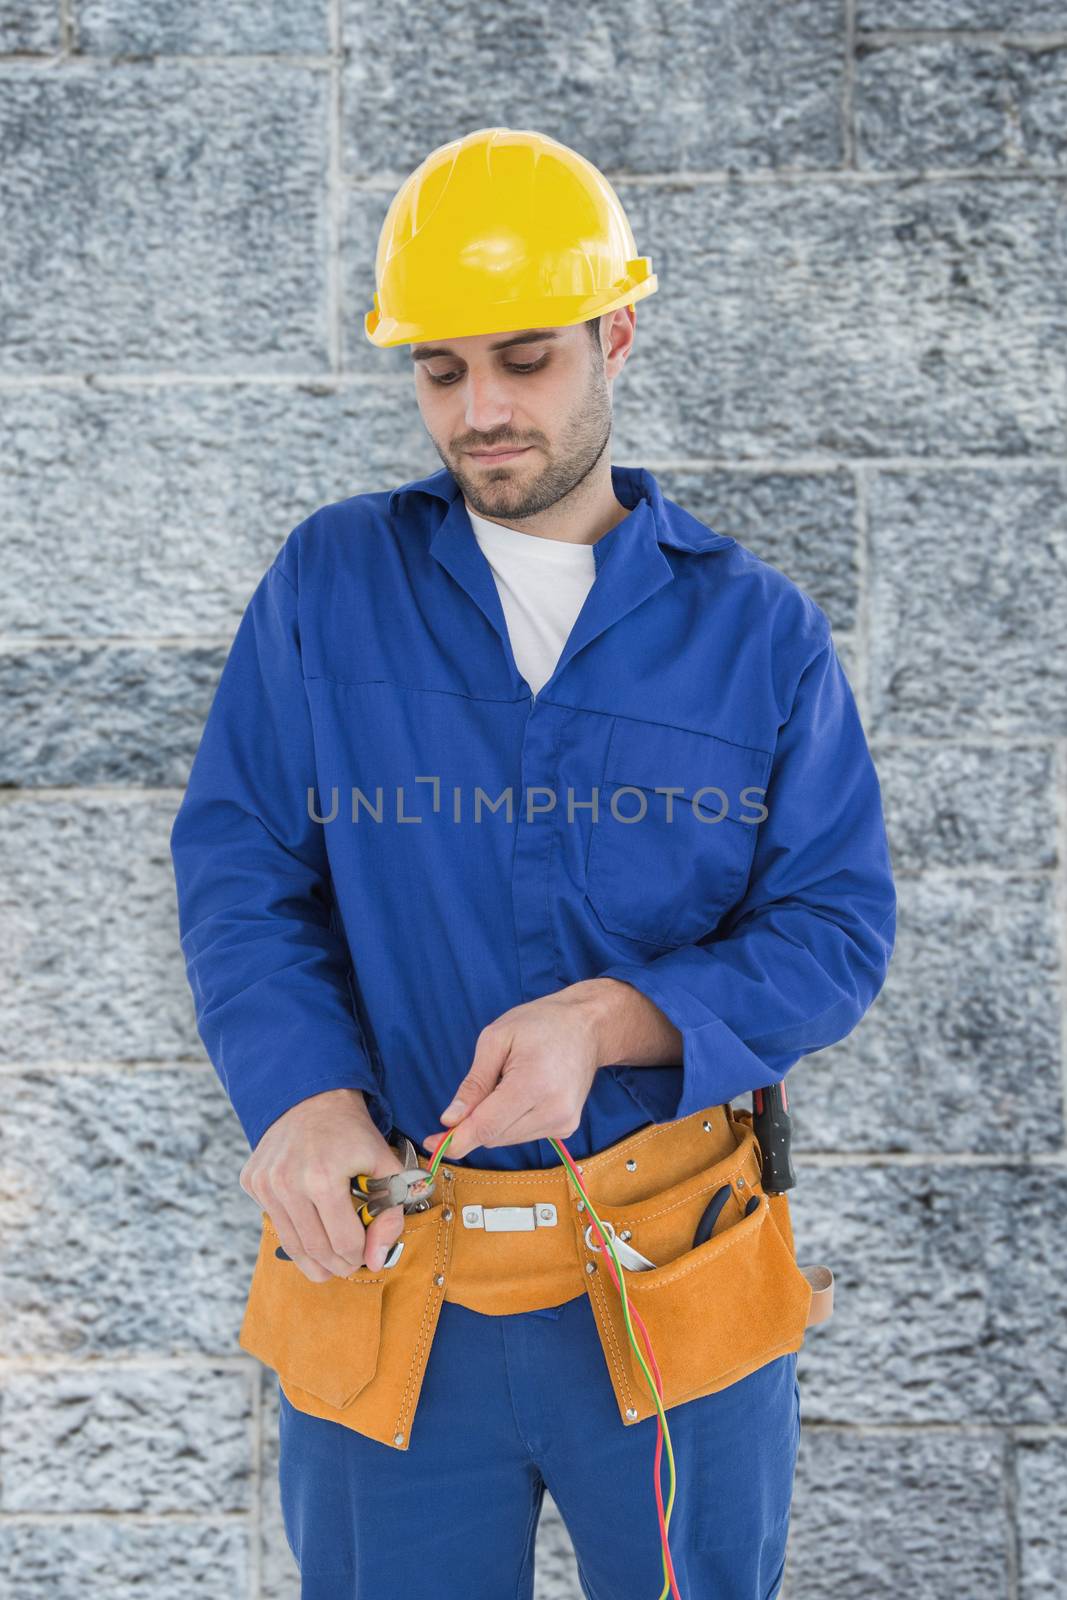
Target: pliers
x: 378, y: 1194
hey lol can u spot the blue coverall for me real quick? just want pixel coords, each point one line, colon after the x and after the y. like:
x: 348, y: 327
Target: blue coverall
x: 387, y: 840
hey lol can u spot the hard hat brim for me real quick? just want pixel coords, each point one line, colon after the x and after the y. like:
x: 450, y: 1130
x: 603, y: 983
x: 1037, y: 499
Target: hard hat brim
x: 512, y: 316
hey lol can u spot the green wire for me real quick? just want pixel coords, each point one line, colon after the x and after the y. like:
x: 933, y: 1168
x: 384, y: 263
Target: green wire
x: 435, y: 1163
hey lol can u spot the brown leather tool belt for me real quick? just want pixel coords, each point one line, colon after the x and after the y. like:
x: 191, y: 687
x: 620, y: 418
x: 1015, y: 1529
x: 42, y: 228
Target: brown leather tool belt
x: 353, y: 1350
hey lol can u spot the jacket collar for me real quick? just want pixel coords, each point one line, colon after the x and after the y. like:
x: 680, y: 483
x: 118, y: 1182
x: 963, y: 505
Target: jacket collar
x: 630, y: 562
x: 673, y: 525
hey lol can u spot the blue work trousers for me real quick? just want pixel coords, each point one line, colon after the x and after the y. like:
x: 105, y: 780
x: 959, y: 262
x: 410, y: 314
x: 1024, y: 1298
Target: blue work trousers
x: 511, y: 1405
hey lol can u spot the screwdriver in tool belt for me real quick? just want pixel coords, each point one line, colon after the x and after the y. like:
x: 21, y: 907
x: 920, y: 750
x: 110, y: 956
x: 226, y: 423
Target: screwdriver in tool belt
x: 772, y: 1126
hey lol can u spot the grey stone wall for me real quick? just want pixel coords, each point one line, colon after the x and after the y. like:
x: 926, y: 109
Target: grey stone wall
x: 855, y: 364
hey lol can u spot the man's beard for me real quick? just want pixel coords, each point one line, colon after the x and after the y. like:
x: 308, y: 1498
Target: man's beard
x: 515, y: 498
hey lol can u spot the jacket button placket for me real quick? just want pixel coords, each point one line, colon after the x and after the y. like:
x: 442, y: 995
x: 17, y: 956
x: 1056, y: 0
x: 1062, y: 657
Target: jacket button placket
x: 536, y: 820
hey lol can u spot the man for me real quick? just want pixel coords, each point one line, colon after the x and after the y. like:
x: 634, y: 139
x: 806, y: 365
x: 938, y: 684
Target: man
x: 400, y: 913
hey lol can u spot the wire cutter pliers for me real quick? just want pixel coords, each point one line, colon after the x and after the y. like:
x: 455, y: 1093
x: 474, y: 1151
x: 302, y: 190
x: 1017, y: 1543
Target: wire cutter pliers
x: 398, y: 1189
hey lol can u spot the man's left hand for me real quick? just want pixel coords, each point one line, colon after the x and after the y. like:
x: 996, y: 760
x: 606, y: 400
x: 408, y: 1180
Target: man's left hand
x: 532, y: 1071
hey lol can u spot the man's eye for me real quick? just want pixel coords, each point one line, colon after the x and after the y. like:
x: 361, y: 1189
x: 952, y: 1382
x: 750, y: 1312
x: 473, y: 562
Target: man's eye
x: 512, y: 366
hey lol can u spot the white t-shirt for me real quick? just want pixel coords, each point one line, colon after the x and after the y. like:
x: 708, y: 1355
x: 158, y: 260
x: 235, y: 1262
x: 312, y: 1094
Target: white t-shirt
x: 542, y: 584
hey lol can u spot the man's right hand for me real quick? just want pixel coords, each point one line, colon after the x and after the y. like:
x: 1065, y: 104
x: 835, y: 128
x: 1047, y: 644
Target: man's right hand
x: 299, y: 1174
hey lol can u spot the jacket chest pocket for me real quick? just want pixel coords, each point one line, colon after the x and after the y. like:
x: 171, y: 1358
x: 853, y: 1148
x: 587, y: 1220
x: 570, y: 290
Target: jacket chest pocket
x: 665, y: 866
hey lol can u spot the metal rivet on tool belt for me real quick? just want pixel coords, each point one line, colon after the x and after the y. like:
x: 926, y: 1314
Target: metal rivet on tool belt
x: 448, y: 1216
x: 439, y: 1280
x: 706, y: 1126
x: 590, y: 1266
x: 625, y: 1234
x: 445, y: 1173
x: 581, y: 1205
x: 631, y: 1165
x: 398, y: 1438
x: 471, y: 1217
x: 631, y: 1414
x: 740, y: 1183
x: 545, y: 1214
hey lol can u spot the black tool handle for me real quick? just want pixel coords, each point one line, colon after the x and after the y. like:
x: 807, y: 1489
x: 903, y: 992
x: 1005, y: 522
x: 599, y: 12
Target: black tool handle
x: 710, y: 1215
x: 772, y: 1126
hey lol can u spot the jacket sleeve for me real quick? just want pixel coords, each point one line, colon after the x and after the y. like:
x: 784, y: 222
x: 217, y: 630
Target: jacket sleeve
x: 266, y: 960
x: 798, y: 960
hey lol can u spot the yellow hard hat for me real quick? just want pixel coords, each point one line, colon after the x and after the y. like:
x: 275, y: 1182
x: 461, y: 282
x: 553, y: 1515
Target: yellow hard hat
x: 501, y: 230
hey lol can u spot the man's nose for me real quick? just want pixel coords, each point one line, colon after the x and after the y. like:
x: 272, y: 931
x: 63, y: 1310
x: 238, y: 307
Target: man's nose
x: 488, y: 408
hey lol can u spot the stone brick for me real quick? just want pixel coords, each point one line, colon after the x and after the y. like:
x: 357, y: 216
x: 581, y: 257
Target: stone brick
x: 881, y: 1514
x: 961, y: 1050
x: 161, y: 217
x: 962, y: 805
x: 1041, y: 1488
x: 126, y: 1439
x: 100, y: 714
x: 968, y: 587
x: 958, y: 103
x: 30, y: 27
x: 155, y: 511
x: 950, y: 1302
x: 154, y: 27
x: 1018, y: 17
x: 90, y: 923
x: 803, y: 523
x: 146, y: 1242
x: 125, y: 1559
x: 749, y: 85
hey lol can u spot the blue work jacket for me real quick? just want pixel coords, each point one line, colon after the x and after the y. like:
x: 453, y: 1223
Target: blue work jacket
x: 387, y: 840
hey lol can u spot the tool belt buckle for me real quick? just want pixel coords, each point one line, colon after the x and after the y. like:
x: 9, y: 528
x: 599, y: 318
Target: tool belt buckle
x: 510, y: 1219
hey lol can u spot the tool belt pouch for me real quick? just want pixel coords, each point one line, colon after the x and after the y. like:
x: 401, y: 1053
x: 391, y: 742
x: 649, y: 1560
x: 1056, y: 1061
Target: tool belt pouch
x: 351, y: 1350
x: 714, y: 1313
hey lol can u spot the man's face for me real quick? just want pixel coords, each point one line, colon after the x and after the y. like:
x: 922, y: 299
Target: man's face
x: 544, y: 392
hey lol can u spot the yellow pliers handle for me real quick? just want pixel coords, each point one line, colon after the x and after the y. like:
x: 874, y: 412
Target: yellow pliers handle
x: 379, y: 1194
